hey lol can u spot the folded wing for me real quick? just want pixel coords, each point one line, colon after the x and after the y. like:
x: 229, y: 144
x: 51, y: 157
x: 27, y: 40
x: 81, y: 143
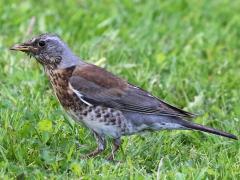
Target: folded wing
x: 99, y: 87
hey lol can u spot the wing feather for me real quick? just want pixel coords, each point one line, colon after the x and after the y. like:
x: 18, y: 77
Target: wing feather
x: 110, y: 91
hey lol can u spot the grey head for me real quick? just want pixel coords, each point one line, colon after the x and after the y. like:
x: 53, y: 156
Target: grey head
x: 49, y: 50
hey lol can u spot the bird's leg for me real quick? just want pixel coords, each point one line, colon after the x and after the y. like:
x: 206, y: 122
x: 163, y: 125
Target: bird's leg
x: 116, y: 146
x: 101, y: 146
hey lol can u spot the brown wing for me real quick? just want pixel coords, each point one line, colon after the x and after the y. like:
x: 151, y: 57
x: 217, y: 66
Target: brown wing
x: 99, y: 87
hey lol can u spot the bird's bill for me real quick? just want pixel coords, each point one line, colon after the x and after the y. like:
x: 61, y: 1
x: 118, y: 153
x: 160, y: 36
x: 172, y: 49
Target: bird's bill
x: 21, y: 47
x: 25, y: 47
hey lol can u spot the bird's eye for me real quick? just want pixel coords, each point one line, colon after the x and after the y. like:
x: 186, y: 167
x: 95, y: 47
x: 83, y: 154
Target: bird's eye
x: 41, y: 43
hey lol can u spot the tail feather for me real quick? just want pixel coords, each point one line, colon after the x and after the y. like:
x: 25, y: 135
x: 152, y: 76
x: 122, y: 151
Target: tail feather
x: 199, y: 127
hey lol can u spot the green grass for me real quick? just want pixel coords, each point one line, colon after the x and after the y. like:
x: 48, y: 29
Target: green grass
x: 187, y: 53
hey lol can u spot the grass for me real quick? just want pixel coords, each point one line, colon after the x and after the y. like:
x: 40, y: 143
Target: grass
x: 186, y: 52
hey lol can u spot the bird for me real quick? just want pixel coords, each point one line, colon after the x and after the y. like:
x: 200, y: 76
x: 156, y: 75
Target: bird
x: 103, y: 102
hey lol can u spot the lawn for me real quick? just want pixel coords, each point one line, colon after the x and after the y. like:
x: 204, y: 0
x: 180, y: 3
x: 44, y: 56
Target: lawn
x: 186, y: 52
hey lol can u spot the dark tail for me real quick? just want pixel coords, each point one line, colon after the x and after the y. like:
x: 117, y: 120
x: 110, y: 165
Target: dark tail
x: 199, y: 127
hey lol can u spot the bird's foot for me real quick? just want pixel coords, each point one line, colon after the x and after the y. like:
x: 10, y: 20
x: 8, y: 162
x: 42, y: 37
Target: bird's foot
x: 93, y: 153
x: 111, y: 158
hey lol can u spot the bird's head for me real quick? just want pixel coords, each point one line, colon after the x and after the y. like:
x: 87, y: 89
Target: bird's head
x: 48, y: 49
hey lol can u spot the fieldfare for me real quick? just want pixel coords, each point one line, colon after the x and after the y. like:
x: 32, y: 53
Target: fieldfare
x: 103, y: 102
